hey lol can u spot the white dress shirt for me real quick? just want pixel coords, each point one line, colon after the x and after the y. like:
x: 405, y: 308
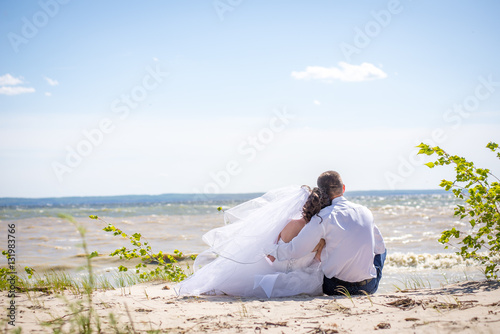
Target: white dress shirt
x: 352, y: 240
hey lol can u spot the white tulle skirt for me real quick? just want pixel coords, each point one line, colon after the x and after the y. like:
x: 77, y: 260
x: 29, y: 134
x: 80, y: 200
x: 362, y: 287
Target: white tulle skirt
x: 236, y: 263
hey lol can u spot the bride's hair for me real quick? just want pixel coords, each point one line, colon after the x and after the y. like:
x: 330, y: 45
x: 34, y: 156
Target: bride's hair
x: 317, y: 200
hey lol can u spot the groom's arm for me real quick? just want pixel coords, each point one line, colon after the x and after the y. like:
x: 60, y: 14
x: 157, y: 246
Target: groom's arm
x: 302, y: 244
x: 379, y: 247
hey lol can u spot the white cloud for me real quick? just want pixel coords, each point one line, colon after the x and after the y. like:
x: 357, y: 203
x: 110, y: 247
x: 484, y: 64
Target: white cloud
x: 15, y: 90
x: 48, y: 94
x: 345, y: 72
x: 9, y: 80
x: 155, y: 59
x: 52, y: 82
x: 316, y: 102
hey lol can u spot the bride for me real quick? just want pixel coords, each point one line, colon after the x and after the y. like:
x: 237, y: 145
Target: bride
x: 236, y: 263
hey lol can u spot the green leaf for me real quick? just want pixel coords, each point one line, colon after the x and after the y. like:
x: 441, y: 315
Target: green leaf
x: 492, y: 146
x: 430, y: 164
x: 29, y: 271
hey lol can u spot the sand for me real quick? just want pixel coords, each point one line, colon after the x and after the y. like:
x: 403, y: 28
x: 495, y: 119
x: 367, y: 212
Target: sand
x: 467, y: 307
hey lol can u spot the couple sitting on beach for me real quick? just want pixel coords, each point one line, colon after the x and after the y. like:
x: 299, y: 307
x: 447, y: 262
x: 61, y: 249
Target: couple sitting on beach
x: 292, y: 241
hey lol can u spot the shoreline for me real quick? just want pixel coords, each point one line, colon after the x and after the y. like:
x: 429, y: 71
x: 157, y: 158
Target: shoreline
x: 466, y: 307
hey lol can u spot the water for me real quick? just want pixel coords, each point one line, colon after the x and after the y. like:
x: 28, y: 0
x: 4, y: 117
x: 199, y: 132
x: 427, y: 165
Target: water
x: 410, y: 221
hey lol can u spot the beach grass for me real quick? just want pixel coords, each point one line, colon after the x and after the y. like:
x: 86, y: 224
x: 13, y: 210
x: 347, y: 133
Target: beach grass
x: 343, y: 290
x: 59, y: 281
x: 78, y: 284
x: 413, y: 282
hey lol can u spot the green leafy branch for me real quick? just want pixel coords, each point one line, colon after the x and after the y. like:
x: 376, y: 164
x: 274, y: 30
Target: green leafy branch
x: 481, y: 206
x: 141, y: 249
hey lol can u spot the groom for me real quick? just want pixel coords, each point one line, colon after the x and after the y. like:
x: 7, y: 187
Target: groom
x: 354, y: 254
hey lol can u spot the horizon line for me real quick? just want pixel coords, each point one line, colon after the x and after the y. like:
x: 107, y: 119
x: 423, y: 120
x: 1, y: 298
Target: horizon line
x: 211, y: 194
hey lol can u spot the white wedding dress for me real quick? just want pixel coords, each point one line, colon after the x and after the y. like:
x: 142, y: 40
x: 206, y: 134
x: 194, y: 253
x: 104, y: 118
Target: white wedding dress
x: 236, y: 263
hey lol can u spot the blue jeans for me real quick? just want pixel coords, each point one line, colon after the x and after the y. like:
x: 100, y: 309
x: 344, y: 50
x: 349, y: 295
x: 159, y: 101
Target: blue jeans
x: 333, y: 286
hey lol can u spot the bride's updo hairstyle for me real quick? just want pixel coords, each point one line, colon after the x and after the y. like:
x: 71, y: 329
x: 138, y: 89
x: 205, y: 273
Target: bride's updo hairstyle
x: 317, y: 200
x: 331, y: 183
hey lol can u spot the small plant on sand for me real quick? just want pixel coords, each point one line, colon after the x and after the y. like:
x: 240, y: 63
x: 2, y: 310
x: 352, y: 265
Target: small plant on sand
x: 412, y: 283
x: 479, y: 191
x: 166, y: 268
x: 368, y: 297
x: 343, y: 290
x: 8, y: 274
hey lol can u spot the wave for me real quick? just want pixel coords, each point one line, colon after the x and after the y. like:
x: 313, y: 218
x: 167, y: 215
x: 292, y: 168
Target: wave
x: 428, y: 261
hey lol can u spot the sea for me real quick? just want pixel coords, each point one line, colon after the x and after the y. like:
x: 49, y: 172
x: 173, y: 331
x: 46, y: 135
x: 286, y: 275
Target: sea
x: 411, y: 223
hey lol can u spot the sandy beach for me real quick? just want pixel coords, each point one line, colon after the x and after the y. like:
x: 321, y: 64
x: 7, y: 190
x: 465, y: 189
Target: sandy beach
x: 466, y: 307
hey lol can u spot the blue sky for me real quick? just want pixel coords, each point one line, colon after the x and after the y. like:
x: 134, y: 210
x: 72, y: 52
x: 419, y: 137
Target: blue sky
x: 129, y: 97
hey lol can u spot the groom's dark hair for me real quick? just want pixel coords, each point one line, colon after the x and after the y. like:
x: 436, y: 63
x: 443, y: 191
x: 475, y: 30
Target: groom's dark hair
x: 331, y: 183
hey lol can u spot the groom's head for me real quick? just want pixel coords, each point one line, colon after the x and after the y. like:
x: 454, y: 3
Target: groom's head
x: 331, y: 182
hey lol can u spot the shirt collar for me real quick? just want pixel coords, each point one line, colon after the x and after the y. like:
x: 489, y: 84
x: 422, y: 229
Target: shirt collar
x: 338, y: 199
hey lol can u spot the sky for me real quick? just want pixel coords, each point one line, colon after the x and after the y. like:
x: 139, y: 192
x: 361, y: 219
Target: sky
x: 232, y: 96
